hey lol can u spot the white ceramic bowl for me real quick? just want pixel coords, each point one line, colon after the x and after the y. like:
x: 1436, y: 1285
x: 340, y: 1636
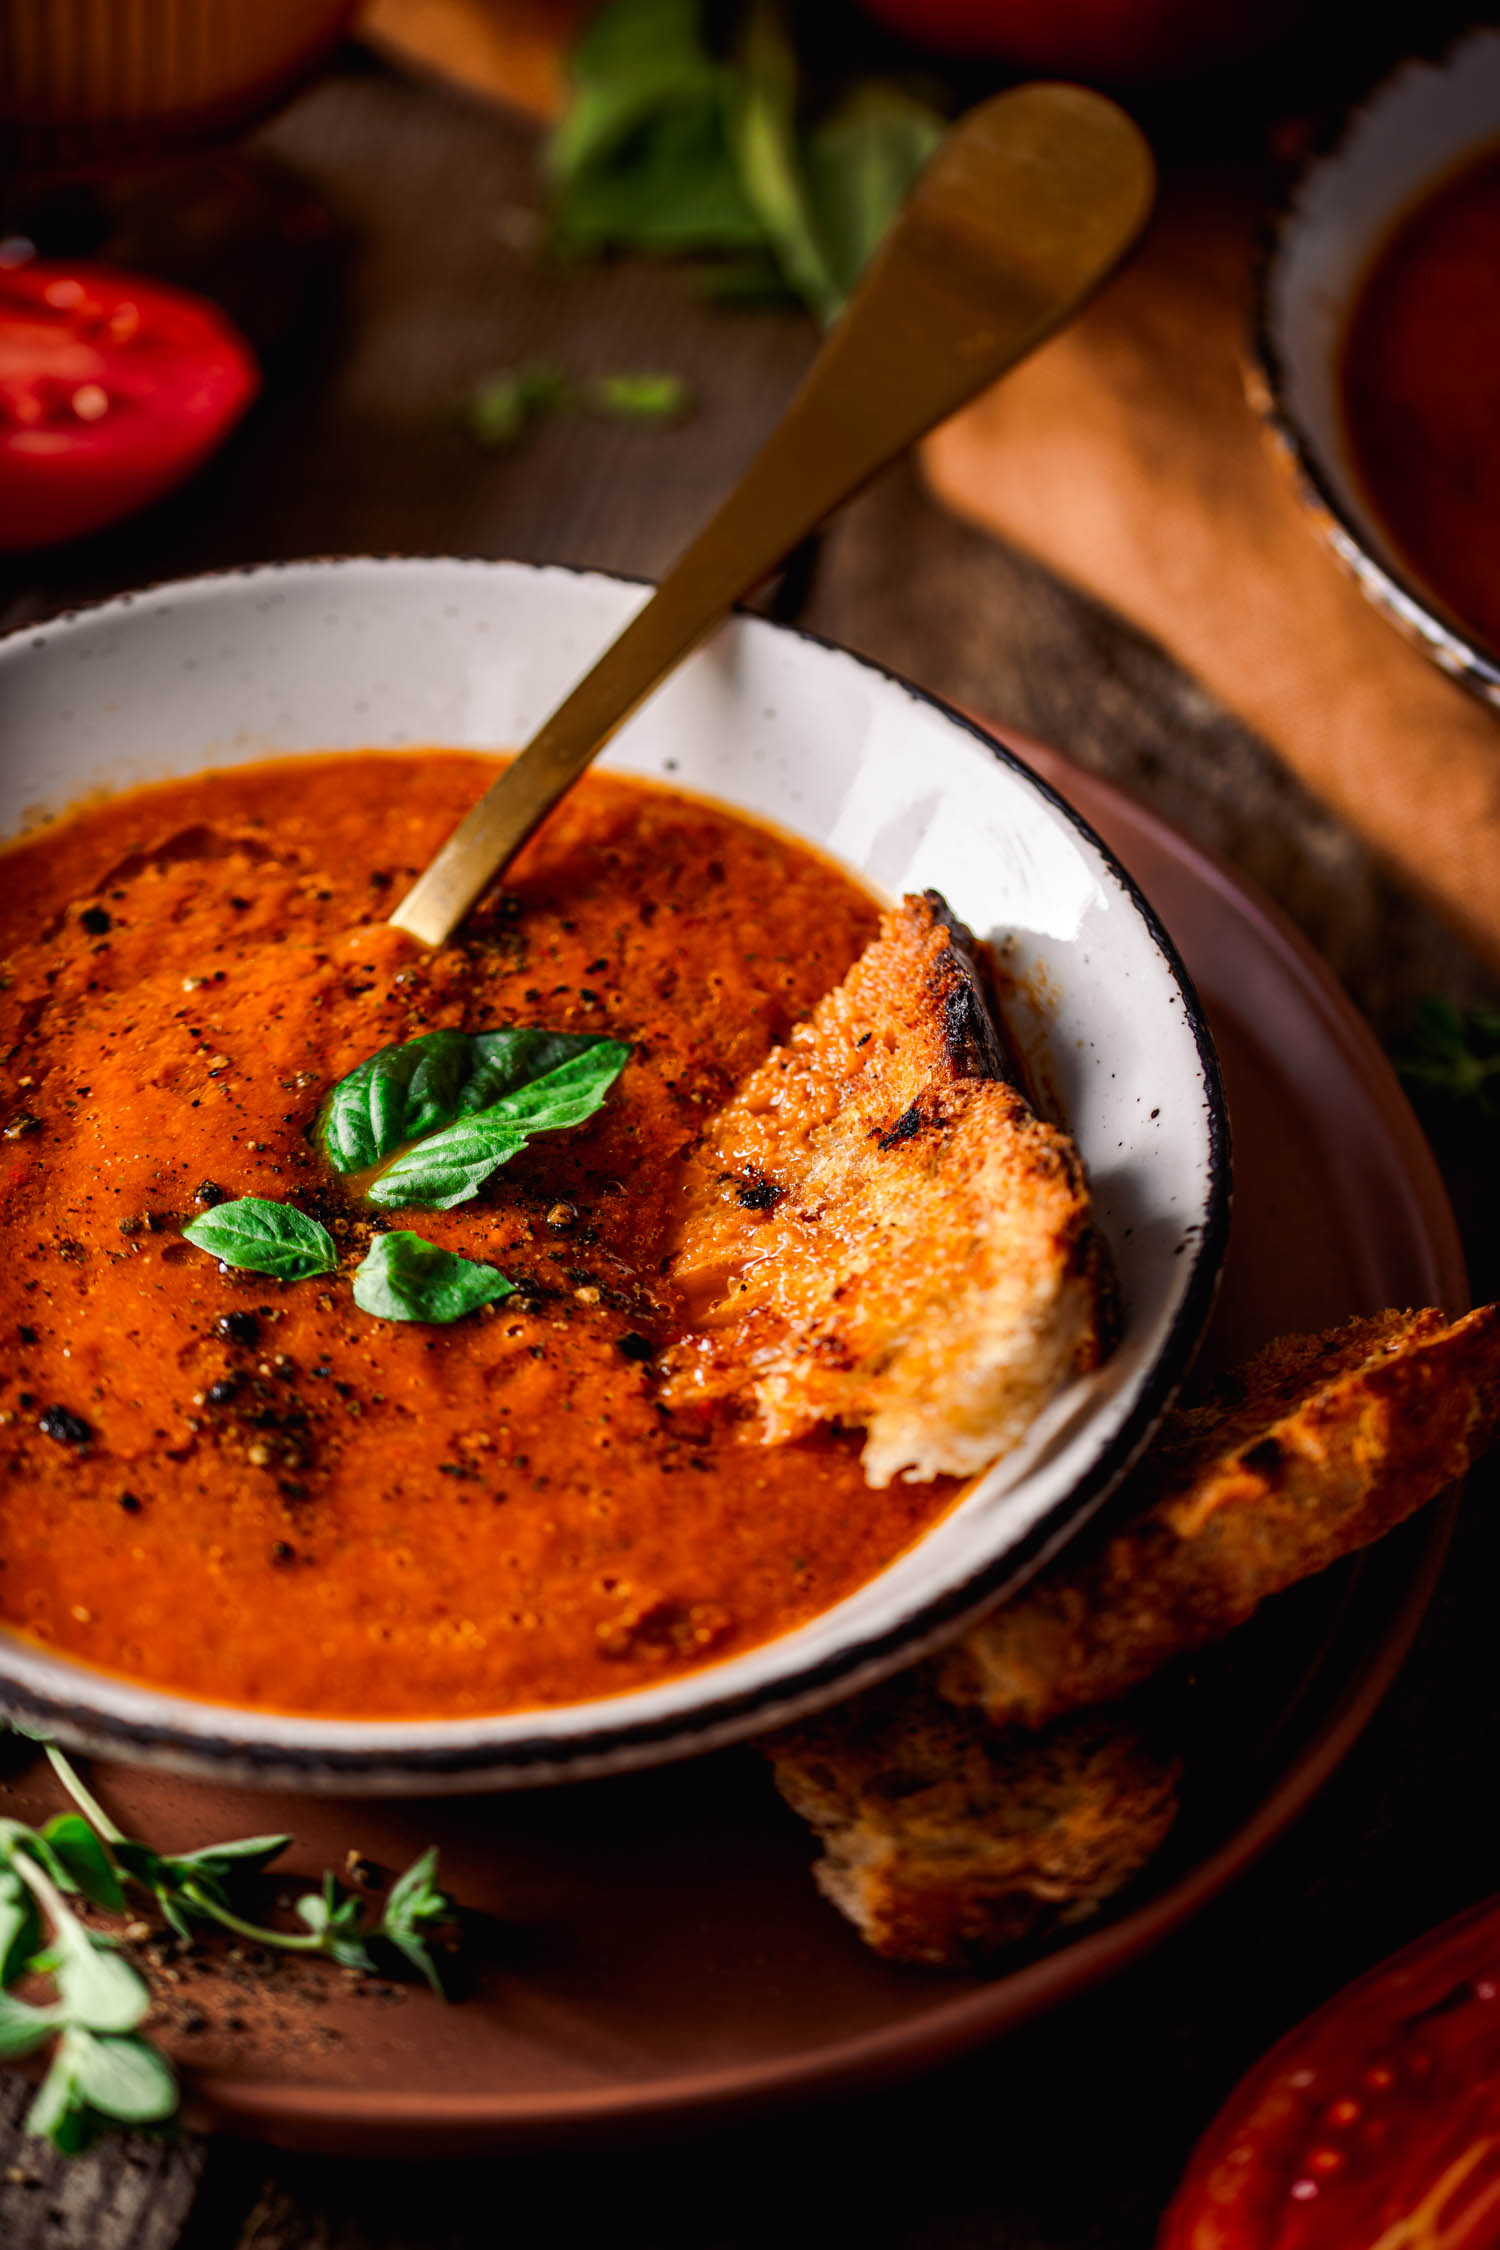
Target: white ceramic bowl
x: 1420, y: 125
x: 385, y: 654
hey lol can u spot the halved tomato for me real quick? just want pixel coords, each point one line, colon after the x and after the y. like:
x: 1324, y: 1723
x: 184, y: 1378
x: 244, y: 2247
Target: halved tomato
x: 112, y: 389
x: 1375, y: 2125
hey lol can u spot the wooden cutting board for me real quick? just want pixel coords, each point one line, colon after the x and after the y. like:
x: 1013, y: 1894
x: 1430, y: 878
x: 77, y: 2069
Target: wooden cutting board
x: 1125, y: 455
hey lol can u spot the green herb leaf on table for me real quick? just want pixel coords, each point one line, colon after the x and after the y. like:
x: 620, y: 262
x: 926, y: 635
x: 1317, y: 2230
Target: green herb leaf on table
x: 414, y: 1906
x: 503, y: 407
x: 122, y: 2079
x: 770, y: 160
x: 246, y: 1855
x: 97, y: 1987
x: 405, y: 1278
x: 1454, y: 1055
x: 257, y: 1236
x: 667, y: 148
x: 500, y: 410
x: 20, y: 1932
x: 861, y: 163
x: 337, y: 1922
x: 24, y: 2028
x: 638, y: 396
x: 82, y: 1861
x: 642, y: 157
x: 93, y: 2082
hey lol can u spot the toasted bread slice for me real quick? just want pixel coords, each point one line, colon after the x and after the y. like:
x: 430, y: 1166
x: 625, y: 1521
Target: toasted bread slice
x: 877, y: 1230
x: 945, y: 1843
x: 1317, y: 1447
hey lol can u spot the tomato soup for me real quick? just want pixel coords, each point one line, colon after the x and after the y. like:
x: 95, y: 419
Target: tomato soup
x: 1421, y: 390
x: 251, y: 1491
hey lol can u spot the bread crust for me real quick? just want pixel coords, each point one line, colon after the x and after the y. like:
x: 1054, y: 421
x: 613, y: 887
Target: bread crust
x: 878, y: 1231
x: 945, y: 1843
x: 1319, y: 1446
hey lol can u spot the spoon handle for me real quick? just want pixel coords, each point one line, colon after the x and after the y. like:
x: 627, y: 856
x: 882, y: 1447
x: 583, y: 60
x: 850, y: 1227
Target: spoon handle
x: 1029, y: 204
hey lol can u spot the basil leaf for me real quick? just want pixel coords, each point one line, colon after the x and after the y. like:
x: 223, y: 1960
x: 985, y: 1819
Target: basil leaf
x: 642, y: 158
x: 536, y: 1095
x: 392, y: 1097
x: 770, y: 163
x: 406, y: 1092
x: 503, y: 407
x: 642, y: 397
x: 861, y: 164
x: 405, y: 1278
x: 122, y: 2078
x: 86, y: 1860
x: 664, y: 147
x: 257, y: 1236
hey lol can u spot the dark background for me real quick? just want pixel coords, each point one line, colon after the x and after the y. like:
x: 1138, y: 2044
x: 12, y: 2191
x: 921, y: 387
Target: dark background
x: 399, y: 265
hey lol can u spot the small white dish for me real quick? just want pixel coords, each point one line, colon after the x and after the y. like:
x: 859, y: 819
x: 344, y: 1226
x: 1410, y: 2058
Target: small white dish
x: 1420, y: 125
x: 389, y: 654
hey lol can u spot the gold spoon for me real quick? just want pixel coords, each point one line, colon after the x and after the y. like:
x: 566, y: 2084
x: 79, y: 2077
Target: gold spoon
x: 1030, y: 202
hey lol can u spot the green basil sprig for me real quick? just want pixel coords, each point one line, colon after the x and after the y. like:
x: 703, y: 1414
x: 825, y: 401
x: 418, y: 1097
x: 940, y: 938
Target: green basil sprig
x: 460, y: 1104
x: 678, y: 139
x: 405, y: 1278
x: 258, y: 1236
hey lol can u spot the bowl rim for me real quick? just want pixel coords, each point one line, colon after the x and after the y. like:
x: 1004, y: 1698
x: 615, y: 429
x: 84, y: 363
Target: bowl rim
x: 617, y: 1744
x: 1416, y: 610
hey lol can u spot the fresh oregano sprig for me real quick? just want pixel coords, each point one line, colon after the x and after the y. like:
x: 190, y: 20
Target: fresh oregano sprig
x: 101, y: 2071
x: 190, y: 1886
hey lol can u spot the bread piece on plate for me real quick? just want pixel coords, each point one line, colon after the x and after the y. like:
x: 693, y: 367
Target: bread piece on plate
x: 945, y: 1843
x: 878, y: 1230
x: 1318, y: 1446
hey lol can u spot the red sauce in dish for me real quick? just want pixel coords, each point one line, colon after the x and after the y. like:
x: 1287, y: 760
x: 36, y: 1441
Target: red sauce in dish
x: 251, y: 1491
x: 1421, y: 391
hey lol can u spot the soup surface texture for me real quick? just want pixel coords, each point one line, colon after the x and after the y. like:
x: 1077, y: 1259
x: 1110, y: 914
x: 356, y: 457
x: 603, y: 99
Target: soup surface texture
x: 1422, y: 392
x: 251, y: 1491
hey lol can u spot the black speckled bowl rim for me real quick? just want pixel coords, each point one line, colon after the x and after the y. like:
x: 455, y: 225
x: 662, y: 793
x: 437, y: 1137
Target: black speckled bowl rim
x: 717, y: 1720
x: 1453, y: 646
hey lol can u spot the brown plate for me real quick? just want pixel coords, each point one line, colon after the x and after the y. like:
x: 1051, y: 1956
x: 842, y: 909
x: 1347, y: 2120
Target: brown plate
x: 651, y: 1950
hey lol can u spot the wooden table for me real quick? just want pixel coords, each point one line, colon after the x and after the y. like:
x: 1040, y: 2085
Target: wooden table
x: 1071, y: 2134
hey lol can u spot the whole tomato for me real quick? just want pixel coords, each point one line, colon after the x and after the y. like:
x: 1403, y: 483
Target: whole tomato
x: 1116, y: 41
x: 1375, y: 2125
